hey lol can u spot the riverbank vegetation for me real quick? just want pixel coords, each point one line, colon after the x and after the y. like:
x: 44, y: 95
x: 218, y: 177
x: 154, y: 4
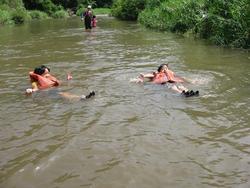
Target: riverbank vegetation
x: 20, y: 11
x: 223, y: 22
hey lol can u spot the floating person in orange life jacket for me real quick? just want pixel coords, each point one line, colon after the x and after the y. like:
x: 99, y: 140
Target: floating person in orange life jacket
x: 87, y: 17
x: 42, y: 79
x: 164, y: 75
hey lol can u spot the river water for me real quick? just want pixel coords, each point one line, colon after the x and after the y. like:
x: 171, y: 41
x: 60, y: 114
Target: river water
x: 129, y: 135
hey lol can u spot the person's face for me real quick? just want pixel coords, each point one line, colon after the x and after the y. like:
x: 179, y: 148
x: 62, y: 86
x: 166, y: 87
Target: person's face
x: 164, y: 67
x: 46, y: 71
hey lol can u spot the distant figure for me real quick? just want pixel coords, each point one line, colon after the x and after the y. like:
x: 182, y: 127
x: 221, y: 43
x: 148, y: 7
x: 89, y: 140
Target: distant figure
x: 42, y: 79
x: 94, y: 21
x: 87, y: 17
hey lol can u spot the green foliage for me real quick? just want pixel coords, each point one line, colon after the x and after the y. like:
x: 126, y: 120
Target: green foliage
x: 102, y: 11
x: 177, y: 16
x: 96, y: 3
x: 152, y: 19
x: 12, y: 3
x: 153, y: 3
x: 80, y: 10
x: 5, y: 17
x: 38, y: 15
x: 104, y: 3
x: 49, y: 7
x: 20, y: 15
x: 60, y: 14
x: 128, y: 9
x: 15, y: 11
x: 43, y: 5
x: 224, y: 22
x: 66, y: 3
x: 186, y: 16
x: 85, y: 3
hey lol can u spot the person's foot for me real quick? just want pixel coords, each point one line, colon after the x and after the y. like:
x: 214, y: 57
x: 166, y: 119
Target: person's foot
x: 185, y: 93
x: 190, y: 93
x: 92, y: 93
x: 197, y: 93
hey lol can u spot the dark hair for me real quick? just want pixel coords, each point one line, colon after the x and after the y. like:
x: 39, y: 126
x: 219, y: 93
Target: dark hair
x: 39, y: 70
x: 161, y: 66
x: 45, y: 67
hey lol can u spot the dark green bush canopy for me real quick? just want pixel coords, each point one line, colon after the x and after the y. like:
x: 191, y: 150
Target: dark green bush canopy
x: 128, y: 9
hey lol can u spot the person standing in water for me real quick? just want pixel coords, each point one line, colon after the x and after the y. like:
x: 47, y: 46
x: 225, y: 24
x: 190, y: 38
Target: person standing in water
x: 87, y: 17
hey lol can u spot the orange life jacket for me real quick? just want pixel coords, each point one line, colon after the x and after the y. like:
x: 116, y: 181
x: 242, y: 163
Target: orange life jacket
x: 171, y: 77
x: 160, y: 78
x: 44, y: 82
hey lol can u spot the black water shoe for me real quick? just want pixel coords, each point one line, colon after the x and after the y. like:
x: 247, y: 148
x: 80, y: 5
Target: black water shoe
x: 92, y: 93
x: 190, y: 93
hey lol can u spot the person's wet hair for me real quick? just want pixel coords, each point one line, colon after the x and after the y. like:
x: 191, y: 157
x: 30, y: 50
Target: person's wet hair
x: 45, y: 67
x: 39, y: 70
x: 161, y: 67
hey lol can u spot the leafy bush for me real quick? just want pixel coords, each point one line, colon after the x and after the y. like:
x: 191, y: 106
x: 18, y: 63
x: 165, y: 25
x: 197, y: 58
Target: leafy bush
x: 152, y: 19
x: 12, y: 3
x: 224, y: 22
x: 128, y: 9
x: 96, y: 3
x: 48, y: 7
x: 60, y: 14
x: 154, y: 3
x: 38, y: 15
x: 5, y: 17
x: 20, y: 16
x: 12, y: 11
x: 102, y: 11
x: 177, y: 16
x: 80, y: 10
x: 186, y: 16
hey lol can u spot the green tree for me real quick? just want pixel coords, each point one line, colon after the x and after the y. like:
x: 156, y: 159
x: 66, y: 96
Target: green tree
x: 12, y: 3
x: 128, y: 9
x: 66, y: 3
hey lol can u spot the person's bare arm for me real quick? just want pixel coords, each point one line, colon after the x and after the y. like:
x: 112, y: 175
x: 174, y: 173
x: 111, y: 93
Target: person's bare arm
x: 33, y: 89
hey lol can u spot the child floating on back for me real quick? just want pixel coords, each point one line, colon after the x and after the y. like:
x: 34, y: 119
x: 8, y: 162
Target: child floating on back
x: 164, y: 75
x: 42, y: 79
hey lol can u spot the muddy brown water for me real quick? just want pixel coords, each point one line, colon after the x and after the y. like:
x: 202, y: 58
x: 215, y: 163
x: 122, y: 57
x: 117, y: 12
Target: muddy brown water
x: 129, y: 135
